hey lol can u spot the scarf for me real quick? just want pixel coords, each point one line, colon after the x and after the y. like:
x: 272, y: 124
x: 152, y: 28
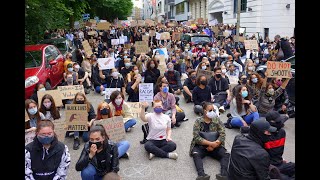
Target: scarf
x: 118, y: 108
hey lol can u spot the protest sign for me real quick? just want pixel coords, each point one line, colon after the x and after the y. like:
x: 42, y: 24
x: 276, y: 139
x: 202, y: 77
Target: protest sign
x: 162, y: 68
x: 278, y: 69
x: 158, y: 36
x: 28, y: 137
x: 93, y: 21
x: 103, y: 26
x: 161, y: 59
x: 69, y: 92
x: 87, y: 48
x: 106, y: 63
x: 170, y: 24
x: 127, y: 46
x: 140, y: 22
x: 145, y: 92
x: 208, y: 74
x: 76, y: 117
x: 241, y: 39
x: 165, y: 36
x: 141, y: 47
x: 92, y: 33
x: 251, y: 44
x: 133, y: 23
x: 215, y: 29
x: 145, y: 38
x: 91, y: 40
x: 152, y: 33
x: 60, y: 128
x: 176, y: 36
x: 135, y: 108
x: 108, y: 92
x: 226, y: 33
x: 56, y: 95
x: 100, y: 33
x: 123, y: 39
x: 114, y: 127
x: 233, y: 79
x: 115, y: 41
x: 162, y: 51
x: 200, y: 21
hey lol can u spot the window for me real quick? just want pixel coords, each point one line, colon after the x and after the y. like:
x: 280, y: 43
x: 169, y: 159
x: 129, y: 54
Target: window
x: 266, y: 32
x: 32, y: 59
x: 180, y: 8
x: 243, y: 6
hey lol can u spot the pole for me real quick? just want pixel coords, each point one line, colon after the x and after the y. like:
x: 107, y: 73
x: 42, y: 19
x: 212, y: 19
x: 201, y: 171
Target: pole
x: 238, y: 19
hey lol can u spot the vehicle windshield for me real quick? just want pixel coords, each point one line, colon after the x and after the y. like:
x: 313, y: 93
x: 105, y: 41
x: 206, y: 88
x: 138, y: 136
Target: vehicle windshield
x: 32, y: 59
x: 197, y: 39
x: 61, y: 46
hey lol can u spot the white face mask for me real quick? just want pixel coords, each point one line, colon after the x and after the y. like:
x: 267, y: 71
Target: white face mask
x: 203, y: 67
x: 250, y: 68
x: 211, y: 114
x: 223, y: 71
x: 118, y: 101
x: 114, y: 74
x: 136, y: 71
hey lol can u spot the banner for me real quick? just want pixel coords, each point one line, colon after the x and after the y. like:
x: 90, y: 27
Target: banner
x: 145, y: 92
x: 69, y: 92
x: 251, y: 44
x: 76, y: 117
x: 108, y: 92
x: 278, y: 69
x: 106, y: 63
x: 56, y: 95
x: 114, y: 127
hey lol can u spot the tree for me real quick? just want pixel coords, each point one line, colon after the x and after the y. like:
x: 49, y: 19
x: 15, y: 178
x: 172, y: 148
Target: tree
x: 112, y: 9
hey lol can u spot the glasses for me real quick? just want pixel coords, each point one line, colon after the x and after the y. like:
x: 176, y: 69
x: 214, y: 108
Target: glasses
x: 46, y: 134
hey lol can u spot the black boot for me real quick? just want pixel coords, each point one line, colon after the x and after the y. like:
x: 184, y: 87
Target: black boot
x: 76, y: 144
x: 203, y: 177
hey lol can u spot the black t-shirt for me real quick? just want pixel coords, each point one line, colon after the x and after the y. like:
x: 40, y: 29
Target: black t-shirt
x: 125, y: 71
x: 81, y: 73
x: 188, y: 82
x: 115, y: 83
x: 206, y: 127
x: 217, y: 86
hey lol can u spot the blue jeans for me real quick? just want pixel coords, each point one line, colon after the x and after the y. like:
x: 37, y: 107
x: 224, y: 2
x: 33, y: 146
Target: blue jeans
x: 123, y: 147
x: 85, y: 135
x: 129, y: 124
x: 183, y: 67
x: 90, y: 173
x: 98, y: 88
x: 236, y: 121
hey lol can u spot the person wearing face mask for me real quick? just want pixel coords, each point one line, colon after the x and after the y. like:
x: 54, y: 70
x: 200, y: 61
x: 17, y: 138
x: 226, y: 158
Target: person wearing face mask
x: 242, y: 110
x: 243, y: 81
x: 268, y: 95
x: 133, y: 72
x: 201, y: 147
x: 126, y: 69
x: 133, y: 89
x: 48, y: 108
x: 159, y: 142
x: 255, y: 82
x: 45, y: 156
x: 281, y: 102
x: 38, y: 87
x: 169, y: 104
x: 248, y: 159
x: 83, y: 77
x: 99, y: 156
x: 119, y: 107
x: 98, y: 79
x: 81, y: 98
x: 34, y: 115
x: 201, y: 93
x: 152, y: 73
x: 275, y: 146
x: 116, y: 80
x: 249, y: 68
x: 188, y: 86
x: 103, y: 113
x: 67, y: 61
x: 174, y: 79
x: 176, y: 66
x: 223, y: 73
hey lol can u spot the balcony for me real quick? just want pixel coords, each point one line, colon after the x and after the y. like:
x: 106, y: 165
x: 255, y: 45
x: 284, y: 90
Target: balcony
x: 170, y: 2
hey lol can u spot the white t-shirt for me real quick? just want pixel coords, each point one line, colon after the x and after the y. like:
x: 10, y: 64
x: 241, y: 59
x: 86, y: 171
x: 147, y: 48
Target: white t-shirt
x: 158, y: 124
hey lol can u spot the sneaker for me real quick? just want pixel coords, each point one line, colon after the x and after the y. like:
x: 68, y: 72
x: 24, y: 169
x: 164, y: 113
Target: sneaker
x: 143, y: 141
x: 204, y: 177
x: 126, y: 155
x: 151, y: 156
x: 76, y: 144
x: 102, y: 93
x: 128, y: 130
x: 185, y: 119
x: 221, y: 109
x: 178, y: 124
x: 220, y: 177
x: 173, y: 156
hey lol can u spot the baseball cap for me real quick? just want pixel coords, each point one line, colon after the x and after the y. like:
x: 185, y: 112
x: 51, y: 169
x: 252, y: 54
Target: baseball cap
x: 263, y: 125
x: 273, y: 116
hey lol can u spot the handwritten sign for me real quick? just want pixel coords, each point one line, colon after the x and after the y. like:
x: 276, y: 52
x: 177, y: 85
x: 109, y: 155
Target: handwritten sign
x: 69, y: 92
x: 29, y: 136
x: 152, y: 33
x: 60, y: 128
x: 278, y: 69
x: 176, y: 36
x: 123, y: 39
x: 56, y: 95
x: 115, y: 42
x: 241, y: 39
x: 145, y: 38
x: 103, y: 26
x: 108, y: 92
x: 114, y: 127
x: 140, y: 22
x: 87, y: 48
x: 251, y: 44
x: 92, y: 33
x: 158, y: 36
x: 26, y: 116
x: 165, y: 36
x: 133, y: 23
x: 135, y: 108
x: 145, y: 92
x: 170, y: 24
x: 141, y: 47
x: 106, y: 63
x: 76, y: 117
x: 208, y: 74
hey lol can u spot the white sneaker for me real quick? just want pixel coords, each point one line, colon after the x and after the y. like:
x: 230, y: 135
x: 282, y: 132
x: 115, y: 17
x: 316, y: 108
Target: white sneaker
x: 151, y: 156
x: 129, y: 129
x: 173, y: 156
x: 102, y: 93
x: 221, y: 109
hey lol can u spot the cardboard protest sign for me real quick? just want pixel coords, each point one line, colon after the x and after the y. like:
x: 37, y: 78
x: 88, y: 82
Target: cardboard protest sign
x: 60, y: 128
x: 69, y: 92
x: 127, y: 46
x: 165, y: 36
x: 56, y: 95
x: 103, y: 26
x: 87, y: 48
x: 76, y: 117
x: 141, y: 47
x: 162, y: 68
x: 28, y: 137
x: 149, y: 22
x: 278, y: 69
x: 226, y: 33
x: 215, y: 29
x: 158, y: 36
x: 152, y: 33
x: 89, y: 24
x: 208, y: 74
x: 145, y: 92
x: 133, y: 23
x: 115, y: 41
x: 92, y: 33
x: 26, y: 116
x: 106, y: 63
x: 108, y: 92
x: 176, y: 36
x: 200, y: 21
x: 100, y: 33
x: 233, y: 79
x: 170, y: 24
x: 251, y: 44
x: 93, y: 21
x: 140, y: 22
x: 145, y: 38
x: 135, y: 108
x: 114, y: 127
x: 161, y: 59
x: 241, y: 39
x: 91, y: 40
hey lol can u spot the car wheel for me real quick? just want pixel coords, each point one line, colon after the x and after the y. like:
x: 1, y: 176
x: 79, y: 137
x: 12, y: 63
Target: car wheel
x: 48, y: 86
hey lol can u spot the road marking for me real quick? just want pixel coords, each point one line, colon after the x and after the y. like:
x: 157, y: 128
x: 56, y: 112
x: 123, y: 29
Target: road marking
x: 139, y: 171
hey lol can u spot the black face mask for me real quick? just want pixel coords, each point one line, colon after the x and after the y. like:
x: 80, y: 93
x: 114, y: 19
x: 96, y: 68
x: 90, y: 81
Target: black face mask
x: 218, y: 76
x: 80, y: 102
x: 203, y: 83
x: 244, y: 81
x: 193, y: 77
x: 104, y: 111
x: 98, y: 144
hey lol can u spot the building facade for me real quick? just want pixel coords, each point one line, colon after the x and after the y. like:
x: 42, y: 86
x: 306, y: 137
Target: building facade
x: 198, y: 9
x: 259, y: 17
x: 181, y: 9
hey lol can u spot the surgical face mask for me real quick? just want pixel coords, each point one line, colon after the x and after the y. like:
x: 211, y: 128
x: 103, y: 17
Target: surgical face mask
x: 69, y: 80
x: 157, y: 110
x: 170, y: 69
x: 125, y: 57
x: 223, y: 71
x: 136, y: 71
x: 211, y: 114
x: 127, y: 64
x: 70, y: 69
x: 244, y: 94
x: 165, y: 89
x: 47, y: 105
x: 152, y: 65
x: 42, y: 89
x: 126, y: 52
x: 114, y: 74
x: 118, y: 101
x: 254, y: 80
x: 257, y: 61
x: 104, y: 111
x: 270, y: 91
x: 33, y: 110
x: 250, y: 68
x: 45, y: 139
x: 200, y: 46
x: 203, y: 67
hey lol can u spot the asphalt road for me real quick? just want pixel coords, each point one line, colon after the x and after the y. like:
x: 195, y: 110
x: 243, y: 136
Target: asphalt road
x: 139, y: 167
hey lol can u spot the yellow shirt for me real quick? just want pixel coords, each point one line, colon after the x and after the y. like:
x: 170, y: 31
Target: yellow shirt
x: 65, y: 64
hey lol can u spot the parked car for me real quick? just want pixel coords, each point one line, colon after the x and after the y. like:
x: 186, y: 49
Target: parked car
x: 43, y: 63
x: 195, y: 39
x: 291, y: 85
x: 62, y: 44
